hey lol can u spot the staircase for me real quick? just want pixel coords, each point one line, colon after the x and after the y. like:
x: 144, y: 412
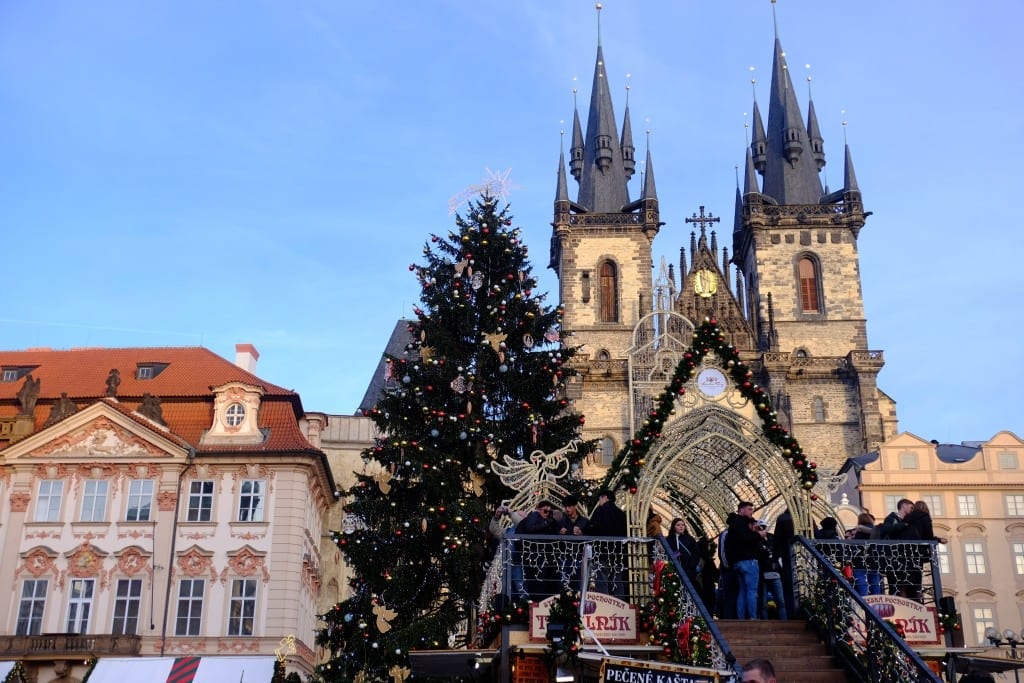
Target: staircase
x: 797, y: 653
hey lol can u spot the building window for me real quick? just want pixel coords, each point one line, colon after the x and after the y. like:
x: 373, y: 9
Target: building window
x: 967, y: 505
x: 809, y: 286
x: 819, y: 409
x: 9, y: 375
x: 242, y: 615
x: 1014, y: 505
x: 30, y: 609
x: 250, y: 505
x: 126, y: 607
x: 200, y: 501
x: 935, y: 505
x: 984, y: 617
x: 190, y: 607
x: 891, y: 501
x: 235, y: 414
x: 79, y: 605
x: 609, y: 293
x: 48, y: 503
x: 1018, y: 558
x: 975, y: 556
x: 94, y: 500
x: 1007, y: 460
x: 942, y: 553
x: 144, y: 372
x: 140, y: 500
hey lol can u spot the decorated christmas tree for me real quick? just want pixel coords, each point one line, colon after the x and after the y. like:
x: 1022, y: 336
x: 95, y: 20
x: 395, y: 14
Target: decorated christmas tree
x: 482, y: 379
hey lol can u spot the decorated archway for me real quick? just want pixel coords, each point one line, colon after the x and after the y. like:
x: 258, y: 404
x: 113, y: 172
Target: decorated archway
x: 710, y: 440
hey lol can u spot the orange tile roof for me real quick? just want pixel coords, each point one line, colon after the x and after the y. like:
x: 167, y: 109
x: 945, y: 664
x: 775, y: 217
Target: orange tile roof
x: 184, y: 388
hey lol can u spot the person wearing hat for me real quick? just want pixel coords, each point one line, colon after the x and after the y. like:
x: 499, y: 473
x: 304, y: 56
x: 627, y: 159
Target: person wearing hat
x: 829, y: 529
x: 572, y: 523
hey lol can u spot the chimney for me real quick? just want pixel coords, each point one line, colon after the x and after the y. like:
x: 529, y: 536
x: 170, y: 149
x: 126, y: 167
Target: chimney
x: 246, y: 356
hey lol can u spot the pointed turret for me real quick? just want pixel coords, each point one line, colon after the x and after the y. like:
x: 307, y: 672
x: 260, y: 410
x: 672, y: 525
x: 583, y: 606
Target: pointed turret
x: 562, y: 191
x: 814, y: 136
x: 650, y: 191
x: 849, y: 177
x: 576, y: 151
x: 759, y: 142
x: 750, y: 177
x: 790, y: 176
x: 737, y: 219
x: 603, y: 177
x: 628, y: 150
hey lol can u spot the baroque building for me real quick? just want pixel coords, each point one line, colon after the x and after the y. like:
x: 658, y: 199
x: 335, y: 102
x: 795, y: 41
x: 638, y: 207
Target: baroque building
x: 788, y: 297
x: 975, y: 492
x: 158, y: 502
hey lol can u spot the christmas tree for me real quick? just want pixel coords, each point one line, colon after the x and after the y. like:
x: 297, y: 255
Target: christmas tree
x: 482, y: 378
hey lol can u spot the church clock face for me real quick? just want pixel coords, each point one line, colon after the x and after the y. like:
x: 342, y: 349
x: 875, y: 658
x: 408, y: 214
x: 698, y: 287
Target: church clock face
x: 711, y: 382
x: 705, y: 283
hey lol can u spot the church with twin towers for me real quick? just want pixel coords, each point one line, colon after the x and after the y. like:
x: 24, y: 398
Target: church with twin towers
x: 785, y: 290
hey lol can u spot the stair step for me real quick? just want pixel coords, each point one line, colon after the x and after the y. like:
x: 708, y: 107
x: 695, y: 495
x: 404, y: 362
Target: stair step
x: 798, y: 654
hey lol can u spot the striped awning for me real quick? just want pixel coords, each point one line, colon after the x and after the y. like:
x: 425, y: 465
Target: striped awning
x: 184, y: 670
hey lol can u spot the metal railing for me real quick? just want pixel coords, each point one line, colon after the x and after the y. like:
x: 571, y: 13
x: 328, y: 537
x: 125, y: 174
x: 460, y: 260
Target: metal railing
x: 853, y: 632
x: 58, y: 644
x: 534, y: 567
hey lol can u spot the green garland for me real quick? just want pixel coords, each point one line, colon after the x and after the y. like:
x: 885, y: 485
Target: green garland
x: 490, y: 621
x: 564, y: 639
x: 683, y: 639
x: 707, y: 339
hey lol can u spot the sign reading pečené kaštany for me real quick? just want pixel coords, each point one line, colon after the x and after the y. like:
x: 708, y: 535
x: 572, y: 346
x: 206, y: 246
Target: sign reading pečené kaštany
x: 636, y: 671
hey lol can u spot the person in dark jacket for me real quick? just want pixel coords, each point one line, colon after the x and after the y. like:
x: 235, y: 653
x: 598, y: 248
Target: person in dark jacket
x: 540, y: 576
x: 785, y: 532
x: 742, y: 547
x: 684, y: 548
x: 866, y: 578
x: 899, y: 568
x: 608, y: 519
x: 920, y: 520
x: 771, y: 574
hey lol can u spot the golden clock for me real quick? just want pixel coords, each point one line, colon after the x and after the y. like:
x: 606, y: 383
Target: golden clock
x: 705, y: 283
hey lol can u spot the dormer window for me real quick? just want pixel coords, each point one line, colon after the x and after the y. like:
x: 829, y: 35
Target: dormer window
x: 149, y: 370
x: 12, y: 373
x: 235, y: 414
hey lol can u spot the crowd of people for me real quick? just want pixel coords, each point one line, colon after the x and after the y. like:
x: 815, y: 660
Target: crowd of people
x: 743, y: 574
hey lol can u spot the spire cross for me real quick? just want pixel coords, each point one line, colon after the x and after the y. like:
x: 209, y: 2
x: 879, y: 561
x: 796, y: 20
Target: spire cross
x: 703, y: 220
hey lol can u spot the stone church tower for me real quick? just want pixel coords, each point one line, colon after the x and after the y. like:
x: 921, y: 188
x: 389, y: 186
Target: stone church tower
x: 793, y: 306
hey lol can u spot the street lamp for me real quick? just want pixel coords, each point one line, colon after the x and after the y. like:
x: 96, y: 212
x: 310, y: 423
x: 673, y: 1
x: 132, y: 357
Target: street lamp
x: 1010, y: 637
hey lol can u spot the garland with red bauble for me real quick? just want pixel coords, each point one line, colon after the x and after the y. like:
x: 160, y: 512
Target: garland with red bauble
x: 684, y: 640
x: 489, y: 622
x: 708, y: 338
x: 564, y: 642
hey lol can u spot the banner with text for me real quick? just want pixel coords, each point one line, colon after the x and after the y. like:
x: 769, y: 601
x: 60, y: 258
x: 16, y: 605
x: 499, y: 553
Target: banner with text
x: 605, y: 617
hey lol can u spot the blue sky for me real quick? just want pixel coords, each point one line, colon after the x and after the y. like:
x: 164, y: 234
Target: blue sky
x: 180, y: 172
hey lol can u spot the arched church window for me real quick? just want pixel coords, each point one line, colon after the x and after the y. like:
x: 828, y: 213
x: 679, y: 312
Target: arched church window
x: 603, y: 355
x: 809, y: 286
x: 819, y: 409
x: 609, y: 293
